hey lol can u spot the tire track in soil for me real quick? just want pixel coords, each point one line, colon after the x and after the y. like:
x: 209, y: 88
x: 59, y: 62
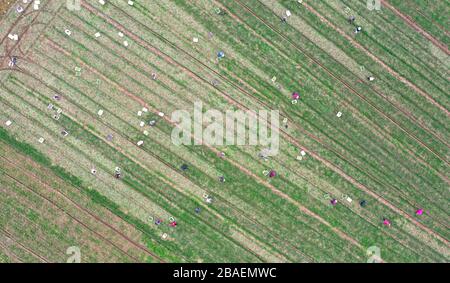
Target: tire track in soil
x: 17, y: 165
x: 13, y: 257
x: 27, y: 221
x: 290, y: 138
x: 121, y: 151
x: 318, y: 232
x: 394, y: 237
x: 26, y: 29
x: 168, y: 165
x: 198, y: 78
x: 16, y: 44
x: 415, y: 26
x: 14, y: 23
x: 433, y: 22
x: 221, y: 77
x: 322, y: 143
x: 45, y: 24
x: 34, y: 177
x: 426, y: 164
x: 379, y: 129
x: 144, y: 104
x: 389, y: 69
x: 29, y: 250
x: 96, y: 217
x: 407, y: 113
x: 125, y: 196
x: 99, y: 235
x: 331, y: 166
x: 35, y: 226
x: 338, y: 170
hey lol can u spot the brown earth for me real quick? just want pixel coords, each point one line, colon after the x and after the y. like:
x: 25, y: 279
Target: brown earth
x: 4, y: 6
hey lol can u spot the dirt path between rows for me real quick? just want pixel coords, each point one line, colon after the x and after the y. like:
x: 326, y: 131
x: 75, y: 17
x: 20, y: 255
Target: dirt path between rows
x: 379, y: 61
x: 290, y: 139
x: 415, y: 26
x: 242, y: 168
x: 359, y: 185
x: 142, y: 102
x: 115, y: 230
x: 30, y: 251
x: 316, y: 138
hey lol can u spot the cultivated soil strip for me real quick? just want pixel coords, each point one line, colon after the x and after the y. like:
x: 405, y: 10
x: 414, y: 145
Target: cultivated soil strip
x: 415, y: 26
x: 379, y: 61
x: 242, y: 168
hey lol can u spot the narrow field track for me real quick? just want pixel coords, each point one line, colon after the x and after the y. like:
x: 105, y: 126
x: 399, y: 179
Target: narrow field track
x: 115, y: 67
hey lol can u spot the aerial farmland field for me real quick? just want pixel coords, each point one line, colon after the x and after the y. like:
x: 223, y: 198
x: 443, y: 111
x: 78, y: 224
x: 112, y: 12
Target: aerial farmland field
x: 228, y: 131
